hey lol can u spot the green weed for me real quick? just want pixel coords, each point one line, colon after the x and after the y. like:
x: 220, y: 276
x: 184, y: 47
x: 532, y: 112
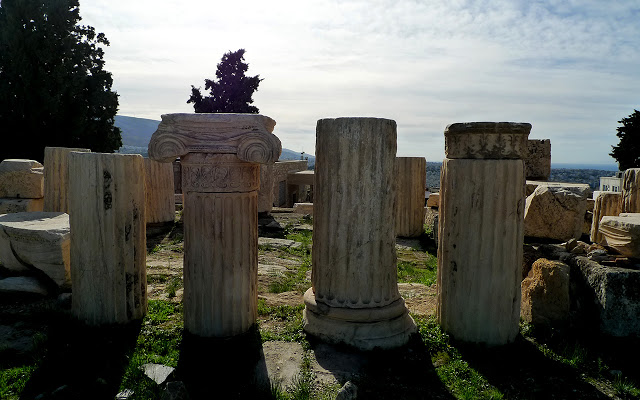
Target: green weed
x: 13, y: 381
x: 624, y: 387
x: 412, y: 272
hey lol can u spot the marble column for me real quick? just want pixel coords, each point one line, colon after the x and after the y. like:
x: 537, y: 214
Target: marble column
x: 411, y: 180
x: 481, y: 225
x: 354, y: 298
x: 56, y: 178
x: 159, y: 193
x: 108, y: 237
x: 631, y: 191
x: 220, y: 155
x: 607, y: 204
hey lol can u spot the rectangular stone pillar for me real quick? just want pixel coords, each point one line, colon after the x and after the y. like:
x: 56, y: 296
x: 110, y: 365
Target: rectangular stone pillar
x: 56, y: 178
x: 411, y: 181
x: 159, y: 193
x: 220, y: 159
x: 481, y: 231
x: 108, y: 237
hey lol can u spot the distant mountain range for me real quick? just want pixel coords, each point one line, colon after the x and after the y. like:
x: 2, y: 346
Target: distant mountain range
x: 136, y: 133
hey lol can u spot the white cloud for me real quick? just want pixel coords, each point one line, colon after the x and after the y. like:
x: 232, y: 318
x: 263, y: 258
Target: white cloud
x: 568, y: 67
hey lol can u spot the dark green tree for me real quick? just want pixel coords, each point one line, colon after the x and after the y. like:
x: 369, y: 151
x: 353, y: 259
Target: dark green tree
x: 53, y: 88
x: 627, y: 152
x: 232, y: 92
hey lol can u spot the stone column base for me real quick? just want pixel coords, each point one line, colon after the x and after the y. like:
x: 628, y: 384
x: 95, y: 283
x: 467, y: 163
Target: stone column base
x: 364, y: 328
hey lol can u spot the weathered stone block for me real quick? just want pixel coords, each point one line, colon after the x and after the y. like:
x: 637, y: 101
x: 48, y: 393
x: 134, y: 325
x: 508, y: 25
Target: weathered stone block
x: 581, y: 189
x: 108, y: 237
x: 56, y: 178
x: 609, y: 296
x: 411, y: 179
x: 554, y: 213
x: 159, y: 192
x: 36, y: 241
x: 22, y: 179
x: 303, y: 208
x: 480, y: 249
x: 621, y: 234
x: 433, y: 200
x: 606, y: 204
x: 20, y: 205
x: 537, y: 162
x: 545, y: 293
x: 486, y: 140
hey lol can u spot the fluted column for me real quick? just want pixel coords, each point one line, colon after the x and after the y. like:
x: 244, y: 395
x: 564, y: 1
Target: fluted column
x: 411, y: 180
x: 355, y: 298
x: 481, y: 231
x: 56, y: 178
x: 220, y: 159
x: 607, y: 204
x: 631, y: 190
x: 108, y: 237
x: 159, y: 194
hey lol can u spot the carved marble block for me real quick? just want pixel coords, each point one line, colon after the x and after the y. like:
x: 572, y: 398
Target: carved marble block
x: 108, y: 237
x: 631, y: 191
x: 411, y: 180
x: 537, y: 162
x: 56, y: 178
x: 159, y: 195
x: 607, y: 204
x: 220, y: 158
x: 481, y: 233
x: 486, y: 140
x: 354, y: 298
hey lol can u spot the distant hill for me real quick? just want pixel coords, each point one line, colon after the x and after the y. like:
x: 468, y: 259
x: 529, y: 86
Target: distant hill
x: 136, y: 133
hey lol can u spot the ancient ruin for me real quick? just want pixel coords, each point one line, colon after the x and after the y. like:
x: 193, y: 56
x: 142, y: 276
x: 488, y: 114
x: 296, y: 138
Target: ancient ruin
x: 607, y: 204
x: 631, y: 191
x: 411, y: 177
x: 159, y: 192
x: 481, y: 231
x: 56, y: 178
x: 354, y: 298
x: 21, y: 186
x: 108, y: 237
x: 220, y: 156
x: 537, y: 161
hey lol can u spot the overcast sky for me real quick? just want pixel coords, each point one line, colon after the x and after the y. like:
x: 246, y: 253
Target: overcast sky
x: 570, y: 68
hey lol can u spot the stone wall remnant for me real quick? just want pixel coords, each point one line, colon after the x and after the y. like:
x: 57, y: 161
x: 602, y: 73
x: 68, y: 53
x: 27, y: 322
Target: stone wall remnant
x: 481, y: 231
x: 354, y: 298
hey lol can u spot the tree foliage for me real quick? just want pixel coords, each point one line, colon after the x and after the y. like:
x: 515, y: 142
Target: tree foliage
x: 627, y: 152
x: 53, y: 88
x: 233, y: 90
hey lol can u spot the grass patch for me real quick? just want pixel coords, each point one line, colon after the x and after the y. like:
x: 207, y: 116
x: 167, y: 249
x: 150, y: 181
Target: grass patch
x: 414, y: 272
x: 296, y: 279
x: 158, y: 342
x: 460, y: 379
x: 174, y: 284
x: 287, y: 324
x: 13, y: 381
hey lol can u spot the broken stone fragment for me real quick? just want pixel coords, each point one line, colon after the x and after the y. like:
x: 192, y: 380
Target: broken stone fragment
x: 545, y: 293
x: 622, y: 234
x: 36, y: 241
x: 554, y: 213
x: 23, y: 179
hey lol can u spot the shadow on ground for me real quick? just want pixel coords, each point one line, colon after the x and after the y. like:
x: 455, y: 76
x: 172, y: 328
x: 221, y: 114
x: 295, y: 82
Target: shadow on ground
x: 81, y: 362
